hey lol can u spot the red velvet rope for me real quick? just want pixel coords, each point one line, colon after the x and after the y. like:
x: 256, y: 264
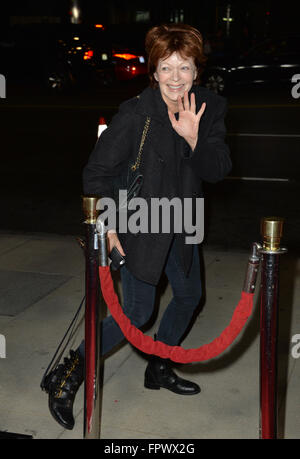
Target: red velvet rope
x: 176, y: 353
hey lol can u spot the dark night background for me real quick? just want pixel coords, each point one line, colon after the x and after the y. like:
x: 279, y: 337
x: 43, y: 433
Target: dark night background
x: 61, y: 75
x: 261, y: 16
x: 46, y: 138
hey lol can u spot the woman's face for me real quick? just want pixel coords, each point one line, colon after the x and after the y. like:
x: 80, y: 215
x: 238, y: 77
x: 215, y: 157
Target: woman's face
x: 175, y: 75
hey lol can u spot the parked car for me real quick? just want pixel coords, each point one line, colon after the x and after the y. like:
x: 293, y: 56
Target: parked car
x: 57, y: 56
x: 127, y: 41
x: 273, y: 61
x: 129, y: 66
x: 61, y: 56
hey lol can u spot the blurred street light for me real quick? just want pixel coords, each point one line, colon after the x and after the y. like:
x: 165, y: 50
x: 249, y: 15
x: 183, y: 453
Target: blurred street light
x: 228, y: 19
x: 76, y: 14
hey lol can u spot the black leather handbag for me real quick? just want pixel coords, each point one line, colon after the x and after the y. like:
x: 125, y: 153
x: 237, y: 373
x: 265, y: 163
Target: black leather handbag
x: 132, y: 179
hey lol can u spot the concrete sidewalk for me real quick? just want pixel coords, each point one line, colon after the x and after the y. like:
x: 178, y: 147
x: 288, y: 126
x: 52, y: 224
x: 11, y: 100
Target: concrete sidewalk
x: 42, y: 284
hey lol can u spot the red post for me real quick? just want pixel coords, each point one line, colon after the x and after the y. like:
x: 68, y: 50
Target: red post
x: 94, y: 305
x: 271, y: 231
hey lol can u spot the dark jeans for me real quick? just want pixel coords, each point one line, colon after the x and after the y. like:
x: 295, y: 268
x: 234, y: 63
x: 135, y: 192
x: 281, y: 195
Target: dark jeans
x: 139, y: 298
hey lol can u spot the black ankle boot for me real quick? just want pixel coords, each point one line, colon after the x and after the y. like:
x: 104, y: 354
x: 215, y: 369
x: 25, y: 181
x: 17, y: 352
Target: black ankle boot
x: 62, y: 385
x: 160, y: 374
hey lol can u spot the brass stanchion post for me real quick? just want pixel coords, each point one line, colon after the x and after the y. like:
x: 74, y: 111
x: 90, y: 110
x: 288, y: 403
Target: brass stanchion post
x: 271, y: 229
x: 94, y: 305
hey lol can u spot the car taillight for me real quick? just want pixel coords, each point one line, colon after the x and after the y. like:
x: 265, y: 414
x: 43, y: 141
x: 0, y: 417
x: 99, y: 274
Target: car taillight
x: 131, y: 69
x: 88, y: 54
x: 126, y: 56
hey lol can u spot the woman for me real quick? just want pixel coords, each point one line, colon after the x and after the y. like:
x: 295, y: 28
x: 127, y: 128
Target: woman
x: 183, y: 146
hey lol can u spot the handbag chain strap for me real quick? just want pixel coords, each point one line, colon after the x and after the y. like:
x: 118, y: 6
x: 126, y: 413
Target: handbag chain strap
x: 136, y: 165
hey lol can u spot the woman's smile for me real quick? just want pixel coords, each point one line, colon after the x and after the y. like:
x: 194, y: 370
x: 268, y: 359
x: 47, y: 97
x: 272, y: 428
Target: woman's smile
x: 175, y: 88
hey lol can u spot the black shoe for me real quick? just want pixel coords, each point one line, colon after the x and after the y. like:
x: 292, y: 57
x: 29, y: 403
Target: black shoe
x: 62, y: 385
x: 160, y: 374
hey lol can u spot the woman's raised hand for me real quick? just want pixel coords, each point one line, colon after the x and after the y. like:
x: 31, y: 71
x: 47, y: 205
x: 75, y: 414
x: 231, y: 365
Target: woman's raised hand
x: 187, y: 125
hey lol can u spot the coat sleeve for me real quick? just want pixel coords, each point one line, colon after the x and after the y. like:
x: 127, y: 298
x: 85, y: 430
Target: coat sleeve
x: 110, y: 154
x: 211, y: 157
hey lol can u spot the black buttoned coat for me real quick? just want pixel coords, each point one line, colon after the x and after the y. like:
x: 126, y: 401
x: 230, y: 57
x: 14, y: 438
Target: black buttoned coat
x: 170, y: 168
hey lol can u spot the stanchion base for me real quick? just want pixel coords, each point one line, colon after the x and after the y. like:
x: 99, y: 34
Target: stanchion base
x: 280, y: 251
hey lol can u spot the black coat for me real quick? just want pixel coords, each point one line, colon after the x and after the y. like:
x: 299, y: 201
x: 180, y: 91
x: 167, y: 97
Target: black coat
x: 169, y: 167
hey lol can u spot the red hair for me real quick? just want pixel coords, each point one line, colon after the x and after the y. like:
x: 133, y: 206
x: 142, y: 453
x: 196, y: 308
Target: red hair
x: 162, y: 41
